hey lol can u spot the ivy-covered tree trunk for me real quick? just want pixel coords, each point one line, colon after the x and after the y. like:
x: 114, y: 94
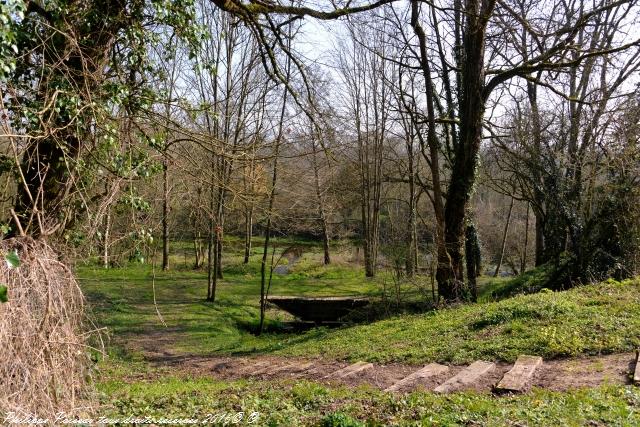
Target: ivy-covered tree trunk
x: 69, y: 76
x: 473, y: 258
x: 44, y: 183
x: 472, y: 106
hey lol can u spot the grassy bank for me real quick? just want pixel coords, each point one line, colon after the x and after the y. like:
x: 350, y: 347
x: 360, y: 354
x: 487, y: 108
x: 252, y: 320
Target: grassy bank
x: 303, y: 403
x: 599, y: 318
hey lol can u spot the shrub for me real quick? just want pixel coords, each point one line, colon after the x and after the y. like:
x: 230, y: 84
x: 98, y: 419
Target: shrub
x: 43, y: 348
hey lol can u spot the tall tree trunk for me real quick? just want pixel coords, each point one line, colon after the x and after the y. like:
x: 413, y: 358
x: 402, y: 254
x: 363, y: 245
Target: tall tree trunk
x: 321, y: 211
x: 165, y: 168
x: 472, y: 107
x: 165, y: 213
x: 442, y: 256
x: 523, y: 262
x: 211, y: 260
x: 410, y: 262
x: 539, y: 230
x: 538, y: 194
x: 272, y: 196
x: 472, y: 256
x: 107, y: 235
x: 248, y: 180
x: 198, y: 250
x: 248, y: 233
x: 504, y: 240
x: 370, y: 105
x: 267, y: 231
x: 325, y: 240
x: 369, y: 202
x: 219, y: 230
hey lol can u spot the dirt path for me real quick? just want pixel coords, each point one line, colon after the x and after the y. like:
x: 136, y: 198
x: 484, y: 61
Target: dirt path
x: 559, y: 375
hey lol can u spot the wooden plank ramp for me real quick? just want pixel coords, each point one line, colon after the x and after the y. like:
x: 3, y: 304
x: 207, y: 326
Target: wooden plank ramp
x: 636, y: 370
x: 431, y: 370
x: 519, y: 376
x: 350, y: 370
x: 466, y: 377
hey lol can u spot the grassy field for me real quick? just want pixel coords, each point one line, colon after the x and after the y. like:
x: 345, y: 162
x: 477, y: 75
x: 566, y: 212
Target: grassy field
x: 600, y: 318
x: 122, y: 300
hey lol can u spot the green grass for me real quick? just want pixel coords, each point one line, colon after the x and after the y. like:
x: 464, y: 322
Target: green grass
x: 122, y: 300
x: 304, y: 403
x: 600, y: 318
x: 497, y: 288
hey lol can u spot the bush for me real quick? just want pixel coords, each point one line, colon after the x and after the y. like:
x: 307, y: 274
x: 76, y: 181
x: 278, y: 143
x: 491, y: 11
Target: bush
x: 43, y: 348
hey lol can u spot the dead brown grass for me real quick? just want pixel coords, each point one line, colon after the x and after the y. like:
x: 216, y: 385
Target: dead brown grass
x: 44, y: 357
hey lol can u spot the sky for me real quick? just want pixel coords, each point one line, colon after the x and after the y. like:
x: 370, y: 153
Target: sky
x: 318, y: 39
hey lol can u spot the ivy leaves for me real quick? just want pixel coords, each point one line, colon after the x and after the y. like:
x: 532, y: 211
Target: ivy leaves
x: 10, y: 12
x: 13, y: 261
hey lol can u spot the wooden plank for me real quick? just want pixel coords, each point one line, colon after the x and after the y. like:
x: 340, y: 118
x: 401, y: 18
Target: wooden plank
x: 466, y: 377
x: 260, y: 367
x: 350, y: 370
x: 636, y: 371
x: 431, y: 370
x: 274, y: 369
x: 362, y: 366
x: 299, y: 367
x: 291, y: 367
x: 520, y: 374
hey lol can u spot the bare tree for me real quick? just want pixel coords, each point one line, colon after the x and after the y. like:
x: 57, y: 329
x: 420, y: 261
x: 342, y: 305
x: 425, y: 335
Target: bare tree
x: 368, y: 97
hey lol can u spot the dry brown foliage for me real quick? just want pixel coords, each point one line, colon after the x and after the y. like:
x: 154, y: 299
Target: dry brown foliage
x: 44, y: 358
